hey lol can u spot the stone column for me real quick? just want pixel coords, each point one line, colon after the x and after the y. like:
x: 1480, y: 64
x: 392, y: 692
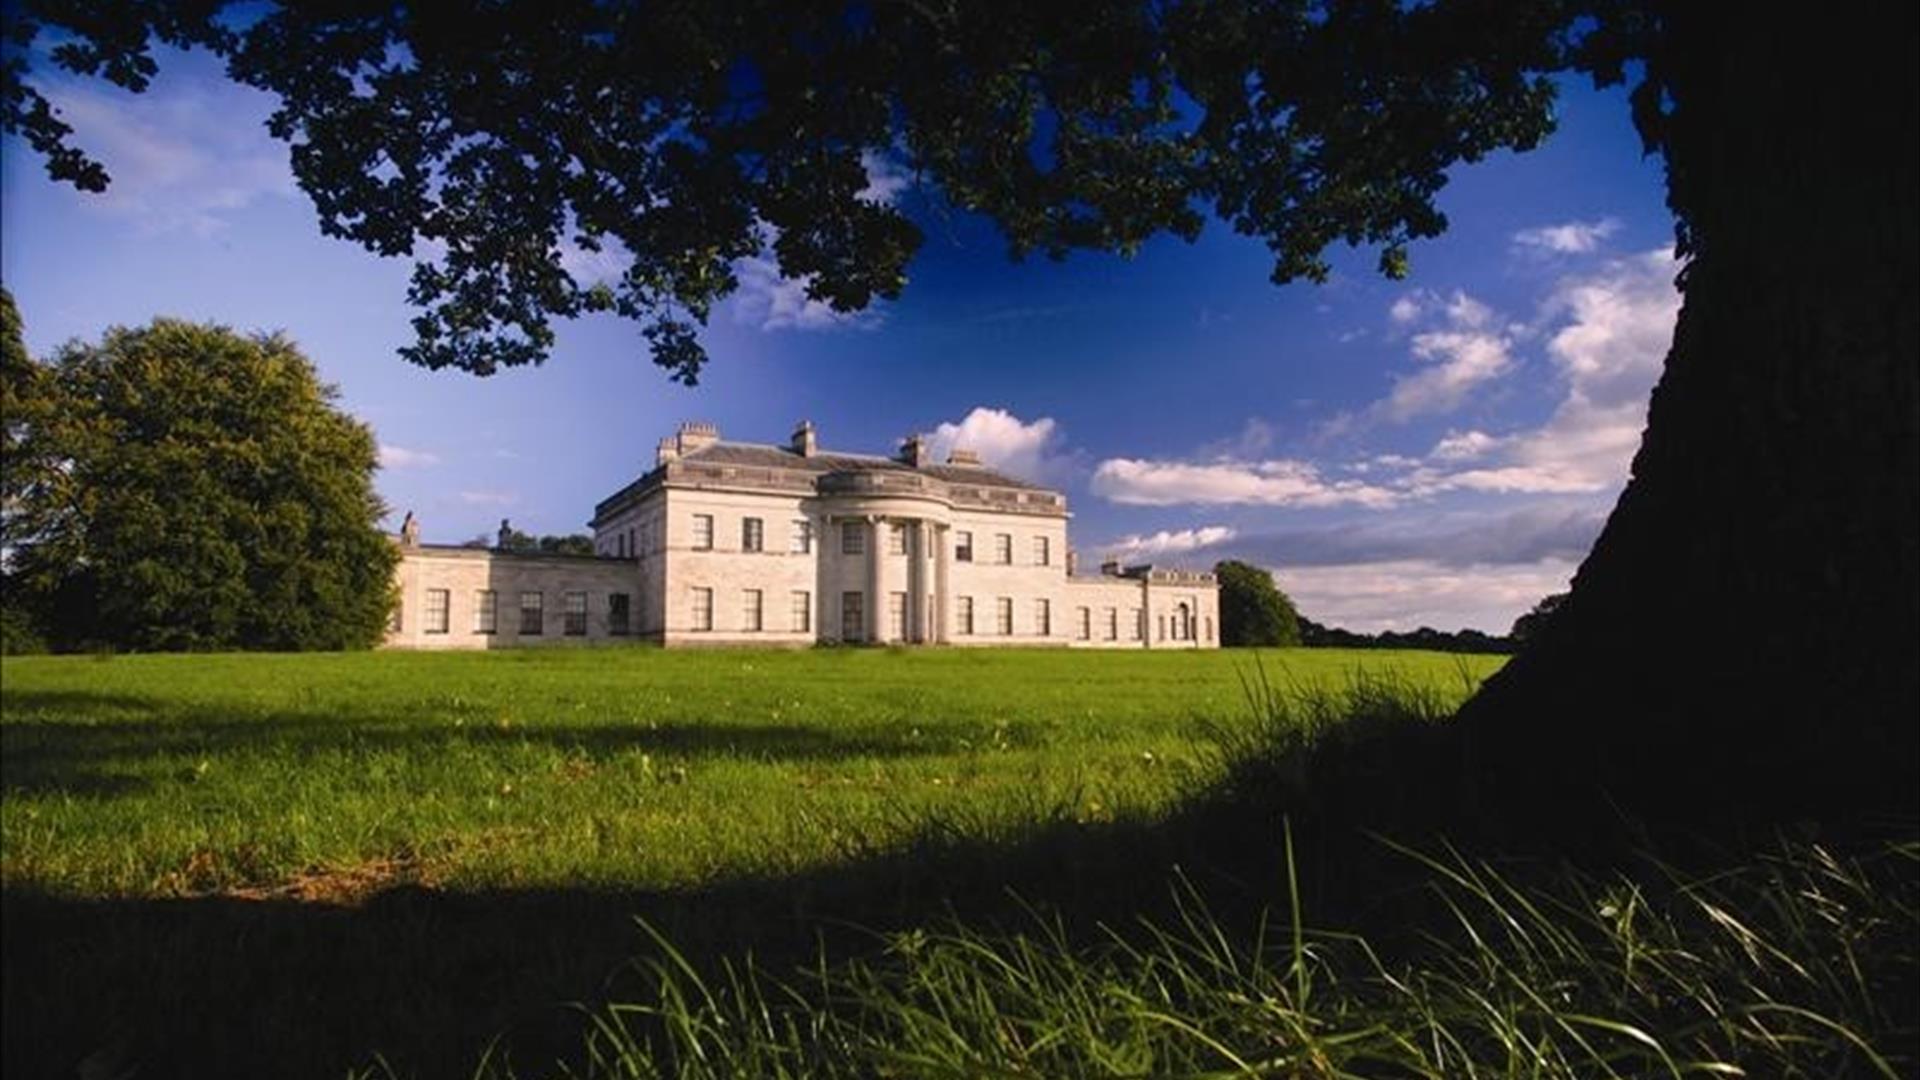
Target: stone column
x: 942, y: 621
x: 916, y: 628
x: 876, y: 595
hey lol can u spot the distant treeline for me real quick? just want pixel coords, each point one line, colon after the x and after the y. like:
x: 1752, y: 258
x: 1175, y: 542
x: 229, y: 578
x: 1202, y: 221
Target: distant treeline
x: 1313, y: 635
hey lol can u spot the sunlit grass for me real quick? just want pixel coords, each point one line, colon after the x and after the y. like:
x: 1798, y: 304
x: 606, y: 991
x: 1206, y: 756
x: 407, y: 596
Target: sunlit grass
x: 324, y: 775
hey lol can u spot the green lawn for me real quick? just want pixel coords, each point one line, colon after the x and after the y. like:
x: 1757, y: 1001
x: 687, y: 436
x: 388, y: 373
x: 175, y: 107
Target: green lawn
x: 332, y: 775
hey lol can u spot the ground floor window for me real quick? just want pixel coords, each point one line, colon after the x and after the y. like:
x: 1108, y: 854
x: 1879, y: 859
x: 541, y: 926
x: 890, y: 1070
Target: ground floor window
x: 1086, y: 624
x: 1113, y: 624
x: 1138, y: 617
x: 532, y: 613
x: 1043, y: 618
x: 619, y: 614
x: 853, y: 616
x: 703, y: 609
x: 897, y: 616
x: 486, y: 611
x: 438, y: 604
x: 575, y: 611
x: 966, y: 615
x: 1209, y: 628
x: 751, y: 609
x: 1003, y: 615
x: 802, y: 618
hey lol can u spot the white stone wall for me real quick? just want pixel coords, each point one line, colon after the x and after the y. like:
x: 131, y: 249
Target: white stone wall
x: 467, y: 572
x: 776, y: 571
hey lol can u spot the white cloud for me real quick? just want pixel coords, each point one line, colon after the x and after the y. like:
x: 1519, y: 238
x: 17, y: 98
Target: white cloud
x: 1461, y: 360
x: 1572, y: 238
x: 589, y: 268
x: 489, y: 498
x: 1412, y: 593
x: 184, y: 155
x: 1406, y: 309
x: 1278, y: 482
x: 1167, y: 542
x: 1031, y: 451
x: 885, y: 179
x: 1463, y: 446
x: 399, y: 457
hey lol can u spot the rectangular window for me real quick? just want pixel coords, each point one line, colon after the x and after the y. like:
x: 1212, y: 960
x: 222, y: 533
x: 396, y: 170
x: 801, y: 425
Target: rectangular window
x: 633, y: 545
x: 1086, y: 624
x: 1043, y: 618
x: 896, y: 539
x: 486, y: 611
x: 703, y: 532
x: 897, y: 616
x: 1042, y: 551
x: 1113, y: 624
x: 702, y: 609
x: 802, y: 617
x: 574, y: 613
x: 1138, y: 619
x: 1163, y: 628
x: 802, y: 538
x: 966, y: 615
x: 1003, y: 549
x: 533, y: 614
x: 853, y: 538
x: 393, y: 619
x: 1209, y: 628
x: 963, y: 547
x: 1003, y: 615
x: 751, y: 609
x: 619, y: 614
x: 853, y: 616
x: 438, y: 604
x: 752, y: 534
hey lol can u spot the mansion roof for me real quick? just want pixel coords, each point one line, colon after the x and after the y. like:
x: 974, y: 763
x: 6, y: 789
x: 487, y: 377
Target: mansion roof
x: 701, y: 462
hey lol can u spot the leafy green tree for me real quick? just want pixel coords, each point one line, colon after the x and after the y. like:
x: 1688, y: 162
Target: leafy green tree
x: 1528, y: 626
x: 1763, y: 565
x: 1253, y: 610
x: 186, y: 487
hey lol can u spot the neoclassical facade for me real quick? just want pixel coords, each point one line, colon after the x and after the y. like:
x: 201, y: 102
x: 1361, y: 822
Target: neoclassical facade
x: 731, y: 543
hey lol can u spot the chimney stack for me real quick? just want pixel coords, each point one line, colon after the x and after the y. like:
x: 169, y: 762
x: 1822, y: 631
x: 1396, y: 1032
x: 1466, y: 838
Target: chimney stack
x: 915, y: 451
x: 957, y: 456
x: 804, y: 441
x: 669, y: 450
x: 1110, y: 568
x: 697, y: 435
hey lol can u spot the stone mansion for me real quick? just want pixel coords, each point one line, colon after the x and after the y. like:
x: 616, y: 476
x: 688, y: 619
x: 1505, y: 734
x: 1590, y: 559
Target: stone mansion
x: 746, y: 543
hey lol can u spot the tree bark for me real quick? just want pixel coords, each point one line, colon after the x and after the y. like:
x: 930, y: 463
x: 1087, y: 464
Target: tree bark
x: 1744, y: 638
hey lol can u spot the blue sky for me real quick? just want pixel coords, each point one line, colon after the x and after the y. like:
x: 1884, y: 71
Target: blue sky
x: 1436, y: 451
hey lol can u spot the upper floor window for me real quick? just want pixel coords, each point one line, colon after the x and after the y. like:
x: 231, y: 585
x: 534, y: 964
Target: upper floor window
x: 575, y: 612
x: 752, y: 534
x: 703, y: 532
x: 1042, y: 551
x: 802, y: 537
x: 1003, y: 549
x: 896, y: 539
x: 963, y: 547
x: 438, y: 604
x: 853, y: 538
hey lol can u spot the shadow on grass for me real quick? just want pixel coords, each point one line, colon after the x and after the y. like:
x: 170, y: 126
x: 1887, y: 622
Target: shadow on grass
x: 220, y: 986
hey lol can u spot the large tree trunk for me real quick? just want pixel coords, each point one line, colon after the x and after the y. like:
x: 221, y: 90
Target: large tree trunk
x: 1745, y: 635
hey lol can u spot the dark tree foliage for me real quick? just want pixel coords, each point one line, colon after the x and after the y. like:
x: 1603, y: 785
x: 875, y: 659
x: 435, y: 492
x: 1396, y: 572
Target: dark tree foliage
x: 1253, y: 610
x: 1314, y: 635
x: 1528, y: 626
x: 181, y: 486
x: 1754, y: 601
x: 511, y: 539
